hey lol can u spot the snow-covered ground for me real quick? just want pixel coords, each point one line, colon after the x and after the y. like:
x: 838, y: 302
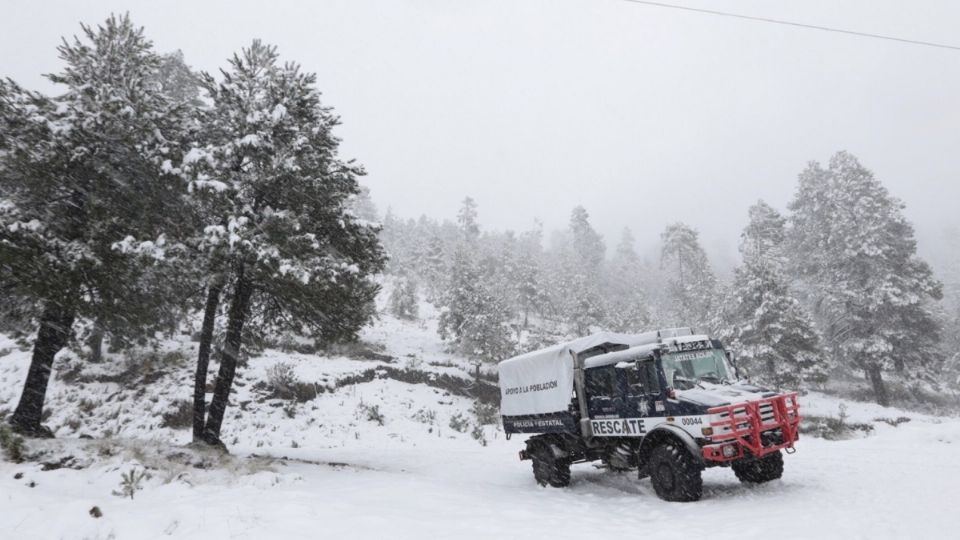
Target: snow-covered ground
x: 324, y: 469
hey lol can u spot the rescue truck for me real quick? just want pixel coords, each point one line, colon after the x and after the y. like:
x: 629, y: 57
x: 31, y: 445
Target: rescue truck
x: 667, y: 404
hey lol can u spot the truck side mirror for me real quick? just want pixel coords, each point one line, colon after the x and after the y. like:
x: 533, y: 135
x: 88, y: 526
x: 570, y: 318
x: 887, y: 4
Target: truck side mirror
x: 733, y: 362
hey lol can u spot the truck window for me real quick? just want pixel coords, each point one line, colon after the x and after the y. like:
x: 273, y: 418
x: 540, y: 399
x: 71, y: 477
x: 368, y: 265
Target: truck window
x: 601, y: 382
x: 643, y: 379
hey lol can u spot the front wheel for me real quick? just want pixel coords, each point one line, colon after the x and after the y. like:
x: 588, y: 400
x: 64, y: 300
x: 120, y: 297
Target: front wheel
x: 674, y: 473
x: 758, y: 471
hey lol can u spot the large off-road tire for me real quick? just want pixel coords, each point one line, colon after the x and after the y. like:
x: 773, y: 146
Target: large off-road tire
x: 758, y: 471
x: 675, y: 474
x: 550, y: 471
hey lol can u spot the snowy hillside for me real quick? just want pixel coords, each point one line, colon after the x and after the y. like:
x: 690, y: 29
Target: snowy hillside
x: 380, y: 458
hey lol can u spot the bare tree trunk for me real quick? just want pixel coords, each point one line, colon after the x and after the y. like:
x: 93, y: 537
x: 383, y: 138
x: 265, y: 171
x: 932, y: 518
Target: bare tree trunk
x: 203, y: 358
x: 774, y: 376
x: 95, y: 342
x: 239, y: 307
x: 55, y: 324
x: 898, y: 364
x: 876, y: 380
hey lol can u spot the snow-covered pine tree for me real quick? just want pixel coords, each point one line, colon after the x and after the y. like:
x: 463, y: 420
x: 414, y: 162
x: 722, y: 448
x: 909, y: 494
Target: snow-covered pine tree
x: 527, y: 275
x: 170, y: 279
x: 475, y: 315
x: 855, y: 254
x: 581, y: 264
x: 81, y: 176
x: 764, y: 323
x: 473, y: 318
x: 588, y: 247
x: 467, y: 221
x: 390, y: 233
x: 403, y: 299
x: 274, y: 200
x: 434, y: 269
x: 692, y: 289
x: 626, y: 309
x: 397, y: 235
x: 178, y: 80
x: 948, y: 270
x: 363, y: 207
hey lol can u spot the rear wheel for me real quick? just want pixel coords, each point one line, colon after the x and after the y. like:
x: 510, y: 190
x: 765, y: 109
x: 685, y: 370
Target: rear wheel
x: 550, y: 471
x: 758, y: 471
x: 674, y: 473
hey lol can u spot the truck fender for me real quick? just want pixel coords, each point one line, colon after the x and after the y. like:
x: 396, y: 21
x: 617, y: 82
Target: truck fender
x: 669, y: 431
x: 557, y: 451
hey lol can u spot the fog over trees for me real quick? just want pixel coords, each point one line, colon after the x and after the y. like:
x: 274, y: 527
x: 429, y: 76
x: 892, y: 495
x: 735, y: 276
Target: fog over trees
x: 830, y: 289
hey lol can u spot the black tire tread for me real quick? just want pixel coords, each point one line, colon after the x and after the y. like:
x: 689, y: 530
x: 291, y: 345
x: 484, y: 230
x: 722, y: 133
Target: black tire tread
x: 689, y: 484
x: 549, y: 471
x: 758, y: 471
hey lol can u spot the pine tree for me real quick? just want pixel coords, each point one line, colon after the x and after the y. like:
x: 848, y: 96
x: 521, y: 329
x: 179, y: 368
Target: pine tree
x: 467, y: 221
x: 274, y: 199
x: 578, y: 285
x: 948, y: 270
x: 81, y: 176
x: 178, y: 80
x: 475, y: 310
x: 856, y: 256
x: 626, y: 309
x: 363, y: 207
x: 588, y: 247
x: 403, y: 299
x: 434, y: 270
x: 473, y: 317
x: 527, y: 276
x: 692, y: 288
x: 766, y: 324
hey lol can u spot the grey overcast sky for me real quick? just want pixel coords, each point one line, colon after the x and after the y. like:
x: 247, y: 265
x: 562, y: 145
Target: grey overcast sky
x: 642, y: 114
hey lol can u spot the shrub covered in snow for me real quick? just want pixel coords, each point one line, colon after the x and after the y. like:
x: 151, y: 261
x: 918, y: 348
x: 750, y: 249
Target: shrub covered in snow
x: 131, y: 482
x: 372, y: 413
x: 478, y: 434
x: 11, y: 444
x: 180, y: 415
x: 486, y: 414
x: 459, y: 423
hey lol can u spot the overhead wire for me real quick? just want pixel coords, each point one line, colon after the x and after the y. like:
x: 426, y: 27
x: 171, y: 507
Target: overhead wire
x: 796, y: 24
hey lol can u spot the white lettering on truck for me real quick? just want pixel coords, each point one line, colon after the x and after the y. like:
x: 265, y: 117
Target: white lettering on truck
x: 638, y: 427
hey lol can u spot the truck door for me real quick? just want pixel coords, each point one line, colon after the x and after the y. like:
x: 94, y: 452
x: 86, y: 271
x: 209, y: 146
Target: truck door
x: 603, y: 398
x: 643, y: 389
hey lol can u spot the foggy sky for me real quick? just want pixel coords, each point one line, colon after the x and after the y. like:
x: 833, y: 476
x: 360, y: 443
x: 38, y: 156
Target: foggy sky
x: 644, y: 115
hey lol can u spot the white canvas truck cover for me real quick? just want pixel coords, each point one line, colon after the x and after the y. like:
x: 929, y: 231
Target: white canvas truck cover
x: 541, y: 382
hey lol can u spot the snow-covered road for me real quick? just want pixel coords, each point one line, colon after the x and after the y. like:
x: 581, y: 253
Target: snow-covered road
x: 900, y: 482
x: 411, y: 475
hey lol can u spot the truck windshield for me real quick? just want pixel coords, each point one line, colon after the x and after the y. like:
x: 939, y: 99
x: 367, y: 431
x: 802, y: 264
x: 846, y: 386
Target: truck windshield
x: 684, y: 369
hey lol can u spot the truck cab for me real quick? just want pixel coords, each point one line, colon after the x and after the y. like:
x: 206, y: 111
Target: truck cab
x: 667, y: 404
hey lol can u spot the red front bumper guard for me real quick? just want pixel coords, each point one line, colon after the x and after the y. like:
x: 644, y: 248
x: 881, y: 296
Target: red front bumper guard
x: 743, y: 428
